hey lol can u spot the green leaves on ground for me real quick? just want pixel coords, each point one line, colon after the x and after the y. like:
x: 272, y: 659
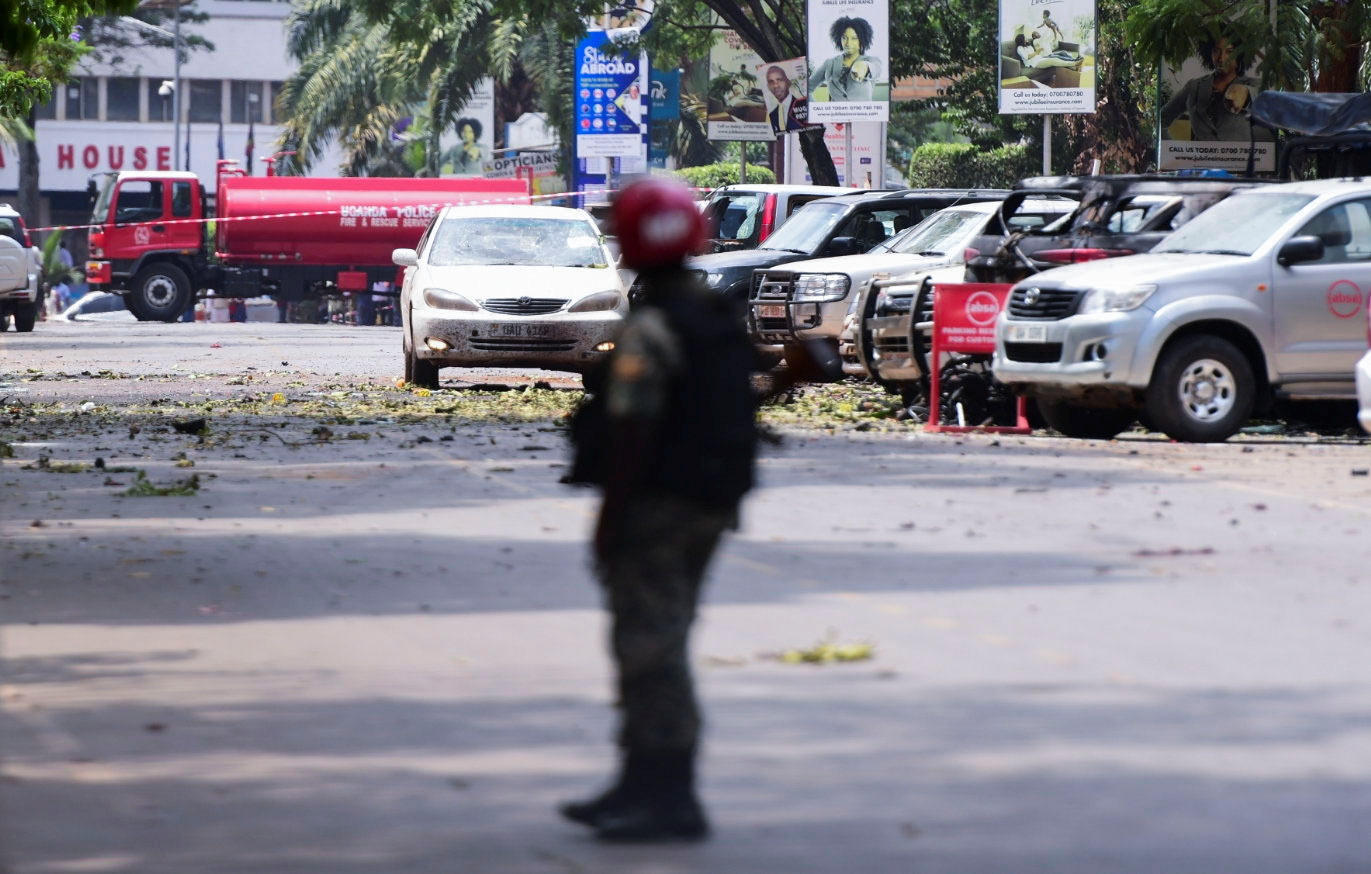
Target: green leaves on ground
x: 145, y: 488
x: 826, y: 652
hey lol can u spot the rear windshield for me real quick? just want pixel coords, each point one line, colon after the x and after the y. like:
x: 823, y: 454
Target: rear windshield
x: 9, y: 227
x: 738, y: 215
x: 1238, y: 225
x: 492, y: 240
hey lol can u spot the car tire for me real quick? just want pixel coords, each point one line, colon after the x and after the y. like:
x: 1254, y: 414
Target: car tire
x: 420, y: 371
x: 800, y: 363
x: 25, y: 317
x: 1085, y: 423
x: 4, y: 322
x: 766, y: 361
x: 1202, y: 390
x: 160, y: 293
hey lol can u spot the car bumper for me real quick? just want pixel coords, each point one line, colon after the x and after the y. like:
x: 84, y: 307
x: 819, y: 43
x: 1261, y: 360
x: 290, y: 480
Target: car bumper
x: 893, y: 357
x: 1364, y: 391
x: 1085, y: 350
x: 571, y: 341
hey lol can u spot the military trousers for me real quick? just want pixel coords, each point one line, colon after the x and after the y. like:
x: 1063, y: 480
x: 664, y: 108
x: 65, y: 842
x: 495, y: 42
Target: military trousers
x: 652, y: 579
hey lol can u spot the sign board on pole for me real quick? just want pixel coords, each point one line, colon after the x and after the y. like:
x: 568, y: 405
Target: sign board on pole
x: 964, y: 317
x: 786, y: 83
x: 737, y: 110
x: 475, y: 134
x: 1047, y: 56
x: 664, y: 95
x: 849, y: 70
x: 1204, y: 114
x: 540, y: 168
x: 611, y: 100
x: 868, y: 151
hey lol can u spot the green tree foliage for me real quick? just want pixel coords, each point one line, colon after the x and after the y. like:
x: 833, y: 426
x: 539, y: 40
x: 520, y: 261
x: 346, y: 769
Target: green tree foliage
x: 715, y: 175
x: 38, y: 44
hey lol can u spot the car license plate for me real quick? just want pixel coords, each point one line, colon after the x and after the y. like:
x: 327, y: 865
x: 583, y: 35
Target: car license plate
x: 1026, y: 333
x: 521, y: 330
x: 771, y: 311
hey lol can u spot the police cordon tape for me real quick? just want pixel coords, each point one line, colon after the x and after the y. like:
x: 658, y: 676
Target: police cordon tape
x: 276, y: 215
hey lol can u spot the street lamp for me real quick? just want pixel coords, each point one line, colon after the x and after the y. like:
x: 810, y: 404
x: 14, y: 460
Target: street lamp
x: 164, y: 91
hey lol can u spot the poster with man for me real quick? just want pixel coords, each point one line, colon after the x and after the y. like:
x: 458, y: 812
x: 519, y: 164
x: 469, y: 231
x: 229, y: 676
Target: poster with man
x: 1204, y: 111
x: 737, y: 109
x: 849, y: 69
x: 787, y: 107
x: 1047, y: 56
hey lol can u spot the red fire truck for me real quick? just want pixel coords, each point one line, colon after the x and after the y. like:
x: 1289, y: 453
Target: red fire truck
x: 153, y: 239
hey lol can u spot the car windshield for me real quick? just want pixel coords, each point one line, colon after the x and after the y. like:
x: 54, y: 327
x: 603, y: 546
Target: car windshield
x: 805, y: 230
x: 940, y: 233
x: 1235, y: 226
x: 463, y: 241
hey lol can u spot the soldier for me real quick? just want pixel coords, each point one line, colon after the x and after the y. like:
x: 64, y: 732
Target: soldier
x: 669, y: 432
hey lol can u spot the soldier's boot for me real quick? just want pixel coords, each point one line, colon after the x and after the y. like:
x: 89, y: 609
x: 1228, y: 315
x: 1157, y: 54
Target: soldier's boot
x: 666, y: 810
x: 625, y: 788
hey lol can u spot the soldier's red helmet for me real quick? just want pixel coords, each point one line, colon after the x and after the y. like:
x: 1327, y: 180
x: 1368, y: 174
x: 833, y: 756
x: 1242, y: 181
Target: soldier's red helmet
x: 658, y: 224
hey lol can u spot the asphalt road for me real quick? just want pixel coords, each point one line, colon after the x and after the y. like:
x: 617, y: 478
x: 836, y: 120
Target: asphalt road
x: 386, y: 654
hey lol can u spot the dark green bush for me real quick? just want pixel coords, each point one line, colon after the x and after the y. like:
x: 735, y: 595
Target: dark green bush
x: 963, y: 165
x: 714, y: 175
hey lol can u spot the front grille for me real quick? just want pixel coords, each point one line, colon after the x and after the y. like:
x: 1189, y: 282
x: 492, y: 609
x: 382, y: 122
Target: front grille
x: 521, y: 344
x: 525, y: 306
x: 771, y: 288
x: 1051, y: 303
x: 891, y: 344
x: 1034, y: 353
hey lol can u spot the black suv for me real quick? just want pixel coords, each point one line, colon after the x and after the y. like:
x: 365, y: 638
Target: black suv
x: 844, y: 225
x: 1118, y: 215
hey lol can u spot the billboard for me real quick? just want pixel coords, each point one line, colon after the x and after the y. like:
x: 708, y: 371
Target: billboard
x: 1204, y: 120
x: 849, y: 51
x: 664, y: 95
x: 475, y: 134
x: 539, y: 168
x: 737, y: 109
x: 868, y: 155
x: 786, y: 84
x: 1047, y: 56
x: 611, y: 100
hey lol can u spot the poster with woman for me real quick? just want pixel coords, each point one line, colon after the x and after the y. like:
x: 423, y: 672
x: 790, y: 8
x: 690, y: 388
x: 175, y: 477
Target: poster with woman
x: 849, y: 50
x: 1047, y: 56
x: 1204, y: 112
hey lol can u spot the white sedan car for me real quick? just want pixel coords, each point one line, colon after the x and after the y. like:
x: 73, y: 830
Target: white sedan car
x: 511, y: 286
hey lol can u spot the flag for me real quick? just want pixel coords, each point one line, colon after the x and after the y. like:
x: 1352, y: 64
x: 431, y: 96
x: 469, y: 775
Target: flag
x: 251, y: 146
x: 187, y: 167
x: 221, y: 139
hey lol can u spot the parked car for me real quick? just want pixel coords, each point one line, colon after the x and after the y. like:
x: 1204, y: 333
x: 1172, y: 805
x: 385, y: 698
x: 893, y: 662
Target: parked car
x: 743, y: 216
x: 1117, y: 216
x: 513, y: 286
x: 21, y: 295
x: 882, y: 337
x: 1255, y: 300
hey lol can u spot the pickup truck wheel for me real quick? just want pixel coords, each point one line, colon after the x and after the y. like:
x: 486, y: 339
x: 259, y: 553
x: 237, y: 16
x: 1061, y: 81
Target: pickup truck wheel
x: 1201, y: 391
x: 160, y: 293
x: 801, y: 363
x: 26, y: 316
x: 419, y: 371
x: 1083, y: 422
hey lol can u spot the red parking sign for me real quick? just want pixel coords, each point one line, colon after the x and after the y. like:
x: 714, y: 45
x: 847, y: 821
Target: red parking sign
x: 964, y: 321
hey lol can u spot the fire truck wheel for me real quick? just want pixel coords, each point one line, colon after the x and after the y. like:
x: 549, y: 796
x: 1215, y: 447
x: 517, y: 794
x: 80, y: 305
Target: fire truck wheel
x: 160, y: 293
x: 419, y: 371
x: 1085, y: 423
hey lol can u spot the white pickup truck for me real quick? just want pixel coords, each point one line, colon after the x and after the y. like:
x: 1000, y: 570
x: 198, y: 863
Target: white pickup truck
x: 19, y: 273
x: 1261, y: 297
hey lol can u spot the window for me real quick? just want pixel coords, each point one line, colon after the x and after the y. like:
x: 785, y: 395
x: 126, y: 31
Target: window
x: 245, y: 102
x: 121, y: 99
x: 206, y: 99
x: 1345, y: 230
x: 83, y: 100
x: 275, y: 95
x: 180, y: 200
x: 48, y: 110
x: 139, y: 201
x: 874, y: 226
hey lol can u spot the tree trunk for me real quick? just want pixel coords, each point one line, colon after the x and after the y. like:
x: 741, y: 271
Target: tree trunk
x: 815, y: 151
x: 29, y: 197
x: 1340, y: 63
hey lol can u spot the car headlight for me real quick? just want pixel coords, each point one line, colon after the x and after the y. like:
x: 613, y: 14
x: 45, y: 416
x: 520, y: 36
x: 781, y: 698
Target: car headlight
x: 443, y: 299
x: 597, y: 302
x: 714, y: 280
x: 1116, y: 300
x: 819, y: 287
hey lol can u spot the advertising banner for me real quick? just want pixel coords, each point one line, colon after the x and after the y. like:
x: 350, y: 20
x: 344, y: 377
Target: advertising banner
x: 1204, y: 120
x: 611, y: 100
x: 868, y: 155
x: 1047, y: 56
x: 540, y: 168
x: 475, y: 134
x: 664, y: 95
x: 737, y: 110
x: 786, y: 83
x: 849, y: 52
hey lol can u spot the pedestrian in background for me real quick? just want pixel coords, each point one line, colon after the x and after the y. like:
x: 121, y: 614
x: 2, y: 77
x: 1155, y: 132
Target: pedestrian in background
x: 668, y: 431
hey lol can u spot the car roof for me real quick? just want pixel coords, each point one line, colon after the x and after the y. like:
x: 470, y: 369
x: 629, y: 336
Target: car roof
x: 955, y: 195
x: 770, y: 188
x: 1055, y: 204
x: 498, y: 210
x: 1319, y: 187
x: 1139, y: 183
x: 6, y: 209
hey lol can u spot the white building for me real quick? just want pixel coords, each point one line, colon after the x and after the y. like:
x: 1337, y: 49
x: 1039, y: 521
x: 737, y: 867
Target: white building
x: 115, y: 118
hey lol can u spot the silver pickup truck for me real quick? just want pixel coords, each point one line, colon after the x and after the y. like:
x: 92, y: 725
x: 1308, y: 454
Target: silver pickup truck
x: 1261, y: 297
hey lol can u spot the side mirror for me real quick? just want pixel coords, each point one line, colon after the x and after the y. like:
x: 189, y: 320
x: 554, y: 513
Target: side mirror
x: 405, y: 257
x: 1298, y: 250
x: 844, y: 246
